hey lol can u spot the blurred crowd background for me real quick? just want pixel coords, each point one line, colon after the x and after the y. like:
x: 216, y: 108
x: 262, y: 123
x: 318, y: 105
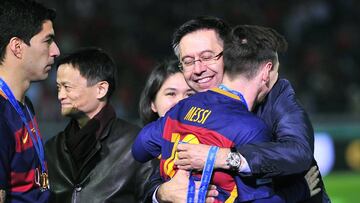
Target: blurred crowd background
x: 323, y: 60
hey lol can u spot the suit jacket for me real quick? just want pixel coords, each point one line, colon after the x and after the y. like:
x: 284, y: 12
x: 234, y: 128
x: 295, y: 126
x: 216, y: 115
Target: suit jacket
x: 108, y: 174
x: 292, y: 132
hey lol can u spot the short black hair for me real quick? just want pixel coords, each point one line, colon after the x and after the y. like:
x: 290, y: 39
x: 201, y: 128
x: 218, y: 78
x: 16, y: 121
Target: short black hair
x: 22, y: 19
x: 247, y: 46
x: 94, y: 64
x: 202, y: 22
x: 153, y: 84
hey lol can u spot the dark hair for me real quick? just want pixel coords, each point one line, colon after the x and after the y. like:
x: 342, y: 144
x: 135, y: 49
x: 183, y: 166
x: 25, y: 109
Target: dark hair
x: 93, y: 64
x: 153, y: 84
x: 247, y: 46
x: 200, y: 23
x: 22, y: 19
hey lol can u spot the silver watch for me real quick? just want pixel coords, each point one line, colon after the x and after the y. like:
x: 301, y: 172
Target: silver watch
x: 233, y: 160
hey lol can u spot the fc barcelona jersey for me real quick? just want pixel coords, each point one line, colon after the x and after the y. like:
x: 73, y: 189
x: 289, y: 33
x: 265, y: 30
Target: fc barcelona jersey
x: 18, y: 159
x: 215, y: 117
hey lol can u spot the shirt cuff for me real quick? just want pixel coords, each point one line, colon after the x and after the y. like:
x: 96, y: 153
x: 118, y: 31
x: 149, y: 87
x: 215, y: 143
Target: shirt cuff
x: 244, y: 168
x: 154, y: 200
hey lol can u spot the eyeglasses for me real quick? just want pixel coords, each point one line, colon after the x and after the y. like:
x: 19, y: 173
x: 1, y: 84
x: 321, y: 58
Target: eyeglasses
x: 208, y: 58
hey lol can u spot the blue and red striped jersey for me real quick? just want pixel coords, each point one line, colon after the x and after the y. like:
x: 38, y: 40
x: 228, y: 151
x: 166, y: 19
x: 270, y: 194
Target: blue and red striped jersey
x: 18, y: 157
x: 215, y: 117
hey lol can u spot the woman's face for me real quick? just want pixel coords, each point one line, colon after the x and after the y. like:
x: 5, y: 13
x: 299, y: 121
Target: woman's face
x: 170, y: 93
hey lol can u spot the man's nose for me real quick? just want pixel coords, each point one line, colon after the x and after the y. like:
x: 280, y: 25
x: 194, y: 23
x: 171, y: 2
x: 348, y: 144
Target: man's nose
x: 199, y: 67
x: 54, y: 50
x: 61, y: 94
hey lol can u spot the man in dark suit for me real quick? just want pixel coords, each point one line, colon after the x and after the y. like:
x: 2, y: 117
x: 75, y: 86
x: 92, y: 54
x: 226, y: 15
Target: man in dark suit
x: 286, y: 158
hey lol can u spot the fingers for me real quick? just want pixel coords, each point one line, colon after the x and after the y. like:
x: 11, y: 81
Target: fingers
x: 314, y: 192
x: 210, y: 200
x: 182, y: 155
x: 182, y: 147
x: 313, y: 180
x: 212, y: 193
x: 186, y: 167
x: 212, y: 187
x: 310, y: 172
x: 314, y: 175
x: 182, y: 162
x: 311, y: 175
x: 313, y: 184
x: 312, y: 169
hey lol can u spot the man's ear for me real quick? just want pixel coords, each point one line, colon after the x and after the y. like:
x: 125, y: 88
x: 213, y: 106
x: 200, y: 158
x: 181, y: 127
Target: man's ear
x: 267, y: 67
x: 16, y: 46
x: 102, y: 89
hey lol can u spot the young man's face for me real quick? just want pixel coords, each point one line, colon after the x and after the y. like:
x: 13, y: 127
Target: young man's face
x: 40, y: 55
x: 194, y: 45
x: 75, y: 96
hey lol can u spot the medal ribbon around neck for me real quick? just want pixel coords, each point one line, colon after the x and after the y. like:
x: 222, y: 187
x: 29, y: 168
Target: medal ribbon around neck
x: 36, y: 142
x: 242, y: 99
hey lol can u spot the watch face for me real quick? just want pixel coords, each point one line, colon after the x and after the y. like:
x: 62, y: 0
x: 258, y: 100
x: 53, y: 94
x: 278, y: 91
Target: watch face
x: 234, y: 160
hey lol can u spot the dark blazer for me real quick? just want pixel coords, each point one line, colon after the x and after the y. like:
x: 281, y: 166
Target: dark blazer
x: 109, y: 175
x: 292, y: 151
x: 290, y: 156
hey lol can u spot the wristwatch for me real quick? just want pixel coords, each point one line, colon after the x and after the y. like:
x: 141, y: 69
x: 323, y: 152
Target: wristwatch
x: 233, y: 159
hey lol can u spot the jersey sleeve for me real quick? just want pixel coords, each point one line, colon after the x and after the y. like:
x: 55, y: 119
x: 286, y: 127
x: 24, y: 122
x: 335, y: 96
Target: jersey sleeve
x: 254, y: 136
x: 148, y: 143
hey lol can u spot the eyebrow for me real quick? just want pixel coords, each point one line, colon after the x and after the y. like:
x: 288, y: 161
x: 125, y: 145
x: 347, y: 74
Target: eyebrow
x: 170, y: 88
x: 50, y: 36
x: 63, y: 83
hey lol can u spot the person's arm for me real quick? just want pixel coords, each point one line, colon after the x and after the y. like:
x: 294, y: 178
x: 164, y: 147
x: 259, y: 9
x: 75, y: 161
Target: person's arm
x: 147, y: 144
x: 143, y: 176
x: 177, y: 186
x: 2, y: 196
x: 250, y: 130
x: 291, y: 151
x: 152, y: 184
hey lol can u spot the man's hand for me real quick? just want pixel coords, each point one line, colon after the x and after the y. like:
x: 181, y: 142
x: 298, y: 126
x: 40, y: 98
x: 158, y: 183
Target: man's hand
x: 312, y: 180
x: 193, y: 157
x: 175, y: 190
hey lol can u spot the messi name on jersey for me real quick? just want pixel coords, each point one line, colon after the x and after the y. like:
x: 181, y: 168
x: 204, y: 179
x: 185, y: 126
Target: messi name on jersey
x: 198, y: 115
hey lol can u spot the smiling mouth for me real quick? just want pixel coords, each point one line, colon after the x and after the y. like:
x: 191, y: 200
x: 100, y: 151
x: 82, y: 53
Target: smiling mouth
x: 204, y: 80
